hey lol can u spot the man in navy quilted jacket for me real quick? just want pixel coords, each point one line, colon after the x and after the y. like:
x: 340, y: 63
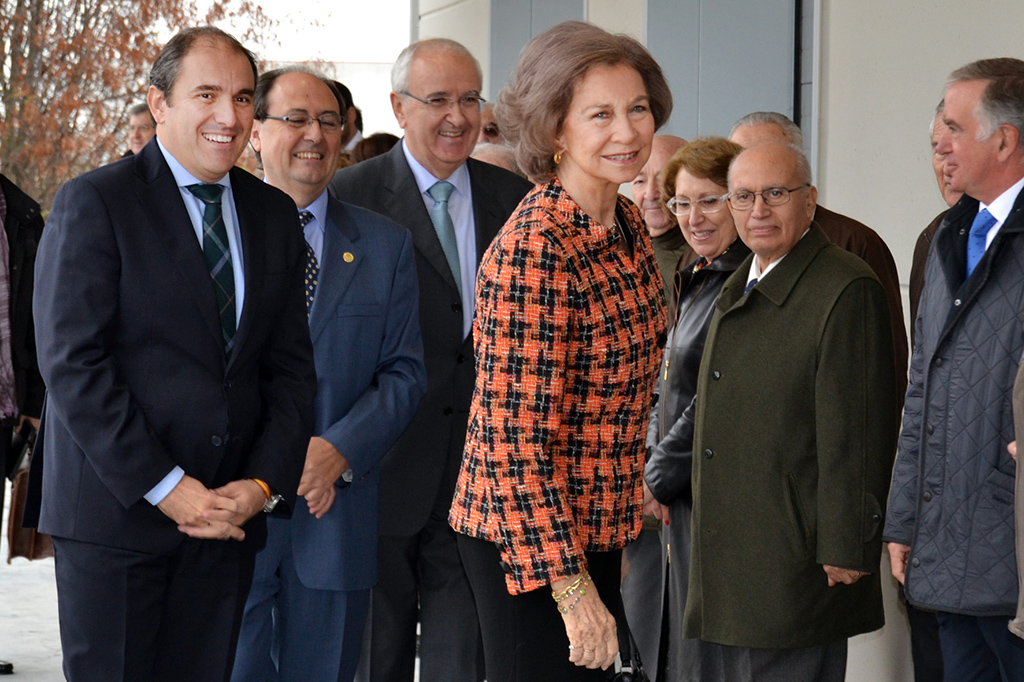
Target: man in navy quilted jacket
x: 950, y: 526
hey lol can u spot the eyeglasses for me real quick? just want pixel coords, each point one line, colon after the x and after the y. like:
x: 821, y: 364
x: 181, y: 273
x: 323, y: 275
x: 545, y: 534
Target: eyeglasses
x: 466, y: 102
x: 682, y: 207
x: 329, y: 123
x: 743, y: 200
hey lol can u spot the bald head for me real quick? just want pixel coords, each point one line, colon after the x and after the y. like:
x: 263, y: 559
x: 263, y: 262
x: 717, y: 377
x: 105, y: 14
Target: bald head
x: 646, y: 188
x: 772, y: 229
x: 766, y: 126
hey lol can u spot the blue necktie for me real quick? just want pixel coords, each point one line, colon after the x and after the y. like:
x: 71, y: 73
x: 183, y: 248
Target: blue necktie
x: 750, y: 285
x: 218, y: 257
x: 440, y: 192
x: 312, y: 267
x: 983, y: 222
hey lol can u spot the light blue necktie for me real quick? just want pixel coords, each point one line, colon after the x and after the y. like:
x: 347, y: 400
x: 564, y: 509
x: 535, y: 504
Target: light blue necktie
x: 440, y: 192
x: 983, y: 222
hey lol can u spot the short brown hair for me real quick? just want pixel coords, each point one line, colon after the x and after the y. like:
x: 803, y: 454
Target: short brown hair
x: 531, y: 109
x: 703, y: 157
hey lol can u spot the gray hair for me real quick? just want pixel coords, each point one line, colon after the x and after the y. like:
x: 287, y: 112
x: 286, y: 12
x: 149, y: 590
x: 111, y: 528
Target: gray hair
x: 138, y: 109
x: 1002, y: 101
x: 400, y: 71
x: 168, y: 63
x: 792, y: 131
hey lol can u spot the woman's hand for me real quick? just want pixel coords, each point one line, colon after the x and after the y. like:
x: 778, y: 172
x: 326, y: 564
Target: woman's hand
x: 593, y: 641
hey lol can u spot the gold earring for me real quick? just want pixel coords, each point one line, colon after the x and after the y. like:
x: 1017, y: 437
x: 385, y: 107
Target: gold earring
x: 558, y: 158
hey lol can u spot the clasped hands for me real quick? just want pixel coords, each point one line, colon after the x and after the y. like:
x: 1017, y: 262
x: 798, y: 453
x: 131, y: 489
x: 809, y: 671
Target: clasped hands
x: 216, y: 514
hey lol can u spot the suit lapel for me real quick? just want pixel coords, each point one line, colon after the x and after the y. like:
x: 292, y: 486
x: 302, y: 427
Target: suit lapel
x: 249, y: 208
x: 485, y: 217
x: 411, y: 212
x: 342, y: 256
x: 160, y: 194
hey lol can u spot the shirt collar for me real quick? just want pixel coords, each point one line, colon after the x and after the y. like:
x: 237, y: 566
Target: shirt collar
x: 425, y: 179
x: 319, y: 210
x: 181, y: 176
x: 1001, y: 207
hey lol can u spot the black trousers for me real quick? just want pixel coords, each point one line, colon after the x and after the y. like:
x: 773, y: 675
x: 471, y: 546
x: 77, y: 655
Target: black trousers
x: 138, y: 617
x: 524, y: 635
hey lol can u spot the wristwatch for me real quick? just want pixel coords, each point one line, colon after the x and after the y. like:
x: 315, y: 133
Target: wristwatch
x: 271, y: 502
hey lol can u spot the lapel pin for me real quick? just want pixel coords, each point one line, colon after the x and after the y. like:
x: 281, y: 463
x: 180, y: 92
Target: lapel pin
x: 348, y: 257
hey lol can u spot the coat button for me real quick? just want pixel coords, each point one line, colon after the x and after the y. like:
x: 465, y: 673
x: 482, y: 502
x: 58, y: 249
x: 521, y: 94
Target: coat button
x: 956, y: 302
x: 216, y: 441
x: 876, y: 518
x: 716, y: 375
x: 456, y: 307
x: 448, y: 411
x: 930, y: 429
x: 461, y: 359
x: 938, y: 362
x: 927, y: 496
x: 709, y: 453
x: 915, y: 562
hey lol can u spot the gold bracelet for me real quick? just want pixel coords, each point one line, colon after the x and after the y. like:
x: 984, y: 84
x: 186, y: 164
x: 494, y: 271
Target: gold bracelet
x: 582, y: 581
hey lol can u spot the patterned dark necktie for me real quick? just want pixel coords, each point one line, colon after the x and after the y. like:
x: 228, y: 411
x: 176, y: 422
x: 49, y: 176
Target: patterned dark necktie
x: 218, y: 258
x: 312, y: 267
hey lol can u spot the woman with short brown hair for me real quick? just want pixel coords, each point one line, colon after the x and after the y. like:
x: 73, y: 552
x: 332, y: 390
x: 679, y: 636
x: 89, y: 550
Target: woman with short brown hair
x: 568, y: 329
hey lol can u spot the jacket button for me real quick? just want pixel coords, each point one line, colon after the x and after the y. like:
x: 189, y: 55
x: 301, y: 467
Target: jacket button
x: 876, y: 518
x: 456, y: 307
x: 927, y: 496
x: 938, y: 362
x: 216, y: 441
x: 930, y: 429
x: 709, y: 453
x: 461, y: 359
x: 716, y: 375
x: 448, y: 411
x: 956, y: 302
x: 915, y: 562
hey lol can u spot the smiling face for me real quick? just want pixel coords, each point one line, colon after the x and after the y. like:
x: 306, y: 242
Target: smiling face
x: 708, y: 234
x: 969, y: 161
x: 439, y: 138
x: 204, y: 121
x: 300, y: 161
x: 771, y: 231
x: 608, y: 129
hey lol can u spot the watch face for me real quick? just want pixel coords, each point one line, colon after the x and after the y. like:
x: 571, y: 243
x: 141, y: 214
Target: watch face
x: 271, y: 503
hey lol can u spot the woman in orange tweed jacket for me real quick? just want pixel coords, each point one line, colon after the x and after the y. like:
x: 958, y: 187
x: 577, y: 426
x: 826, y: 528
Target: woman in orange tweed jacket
x: 569, y: 327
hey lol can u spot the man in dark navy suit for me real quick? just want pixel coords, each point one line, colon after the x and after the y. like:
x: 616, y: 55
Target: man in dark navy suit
x: 311, y: 592
x: 173, y: 341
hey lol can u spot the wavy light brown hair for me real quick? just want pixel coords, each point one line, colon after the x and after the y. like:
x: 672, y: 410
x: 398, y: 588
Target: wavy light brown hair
x: 703, y: 157
x: 532, y: 107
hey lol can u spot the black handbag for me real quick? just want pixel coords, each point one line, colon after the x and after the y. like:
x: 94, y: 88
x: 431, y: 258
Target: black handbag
x: 630, y: 668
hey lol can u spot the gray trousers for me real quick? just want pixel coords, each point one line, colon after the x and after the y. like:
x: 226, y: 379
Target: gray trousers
x: 826, y: 663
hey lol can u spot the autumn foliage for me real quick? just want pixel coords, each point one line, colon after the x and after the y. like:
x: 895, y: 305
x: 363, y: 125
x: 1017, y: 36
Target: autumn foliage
x: 69, y: 70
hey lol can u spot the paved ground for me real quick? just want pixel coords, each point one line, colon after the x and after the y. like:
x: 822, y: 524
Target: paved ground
x: 29, y: 637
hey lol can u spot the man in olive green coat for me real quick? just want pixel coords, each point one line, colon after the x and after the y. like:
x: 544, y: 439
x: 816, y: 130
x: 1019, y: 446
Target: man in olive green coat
x: 795, y: 433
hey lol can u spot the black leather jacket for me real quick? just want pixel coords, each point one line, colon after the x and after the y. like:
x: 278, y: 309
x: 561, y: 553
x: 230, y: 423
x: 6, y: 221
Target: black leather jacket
x: 668, y: 467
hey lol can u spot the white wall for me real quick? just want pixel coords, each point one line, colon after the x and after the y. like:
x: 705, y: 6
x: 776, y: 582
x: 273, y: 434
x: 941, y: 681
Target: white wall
x: 883, y: 68
x: 882, y: 71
